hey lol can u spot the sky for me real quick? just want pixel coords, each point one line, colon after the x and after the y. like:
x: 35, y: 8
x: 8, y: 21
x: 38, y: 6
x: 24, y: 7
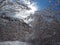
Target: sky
x: 33, y: 5
x: 40, y: 5
x: 44, y: 3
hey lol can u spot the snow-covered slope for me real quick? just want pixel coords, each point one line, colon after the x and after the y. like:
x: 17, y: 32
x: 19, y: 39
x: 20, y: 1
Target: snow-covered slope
x: 14, y: 43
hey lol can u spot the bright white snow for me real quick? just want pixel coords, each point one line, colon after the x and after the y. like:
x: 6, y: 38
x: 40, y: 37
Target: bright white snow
x: 14, y: 43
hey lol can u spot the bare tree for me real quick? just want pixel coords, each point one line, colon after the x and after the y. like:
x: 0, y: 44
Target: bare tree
x: 46, y: 25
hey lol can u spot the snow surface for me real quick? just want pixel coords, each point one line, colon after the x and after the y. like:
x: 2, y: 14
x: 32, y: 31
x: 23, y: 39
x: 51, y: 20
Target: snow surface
x: 14, y: 43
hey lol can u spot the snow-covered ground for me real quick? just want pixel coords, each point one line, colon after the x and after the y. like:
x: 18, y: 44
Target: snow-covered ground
x: 14, y: 43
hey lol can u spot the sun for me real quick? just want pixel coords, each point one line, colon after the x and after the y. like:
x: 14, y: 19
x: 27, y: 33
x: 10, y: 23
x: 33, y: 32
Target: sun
x: 33, y: 8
